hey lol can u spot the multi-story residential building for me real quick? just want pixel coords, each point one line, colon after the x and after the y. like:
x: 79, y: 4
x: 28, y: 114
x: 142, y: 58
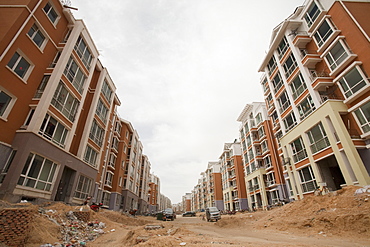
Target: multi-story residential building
x: 154, y: 193
x: 262, y: 166
x: 186, y: 202
x: 62, y: 138
x: 213, y: 186
x: 232, y: 175
x: 316, y: 88
x: 196, y: 197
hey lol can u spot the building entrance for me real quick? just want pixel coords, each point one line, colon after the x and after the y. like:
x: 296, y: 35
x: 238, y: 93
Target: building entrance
x: 331, y: 173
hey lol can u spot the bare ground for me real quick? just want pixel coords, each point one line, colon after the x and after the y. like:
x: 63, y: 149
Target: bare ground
x: 337, y: 219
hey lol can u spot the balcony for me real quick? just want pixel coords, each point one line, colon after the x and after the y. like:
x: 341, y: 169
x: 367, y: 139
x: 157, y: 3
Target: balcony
x: 301, y: 39
x: 320, y: 80
x: 310, y: 58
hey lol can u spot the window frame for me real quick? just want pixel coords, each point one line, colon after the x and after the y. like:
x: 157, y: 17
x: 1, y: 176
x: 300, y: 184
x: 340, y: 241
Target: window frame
x: 97, y: 133
x: 61, y: 96
x: 308, y: 184
x: 9, y: 105
x: 362, y: 120
x: 82, y: 49
x: 283, y: 105
x: 37, y: 32
x: 282, y: 47
x: 310, y: 18
x: 279, y: 84
x: 316, y: 145
x: 91, y: 156
x: 77, y: 78
x: 288, y: 127
x: 289, y: 69
x: 83, y: 188
x: 342, y: 82
x: 297, y: 90
x: 308, y: 101
x: 48, y: 11
x: 45, y: 132
x: 16, y: 63
x: 298, y: 149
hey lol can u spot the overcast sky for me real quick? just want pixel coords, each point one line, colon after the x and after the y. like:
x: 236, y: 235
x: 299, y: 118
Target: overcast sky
x: 184, y: 70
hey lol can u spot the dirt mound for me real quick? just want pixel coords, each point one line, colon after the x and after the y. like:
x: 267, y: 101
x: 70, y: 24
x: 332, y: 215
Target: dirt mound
x: 119, y: 218
x: 338, y: 213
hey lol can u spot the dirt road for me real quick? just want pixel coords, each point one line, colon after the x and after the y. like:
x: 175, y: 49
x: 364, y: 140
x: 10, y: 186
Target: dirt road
x: 193, y: 231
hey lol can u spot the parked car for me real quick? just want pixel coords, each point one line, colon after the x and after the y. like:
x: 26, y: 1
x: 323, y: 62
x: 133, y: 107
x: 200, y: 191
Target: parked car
x: 168, y: 214
x: 213, y: 214
x: 189, y: 213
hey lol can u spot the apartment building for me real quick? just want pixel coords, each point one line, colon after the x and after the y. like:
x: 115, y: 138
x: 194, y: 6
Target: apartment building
x: 154, y: 193
x: 61, y: 137
x: 186, y: 202
x: 143, y: 204
x: 262, y: 167
x: 232, y: 176
x: 316, y: 88
x: 196, y: 203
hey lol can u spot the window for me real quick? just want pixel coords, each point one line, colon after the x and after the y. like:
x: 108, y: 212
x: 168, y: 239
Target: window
x: 96, y: 133
x: 277, y: 82
x: 6, y: 102
x: 363, y: 117
x: 107, y: 91
x: 53, y: 130
x: 271, y: 66
x: 250, y: 154
x: 284, y: 102
x: 246, y: 127
x: 258, y: 118
x: 108, y: 179
x: 41, y: 88
x: 5, y: 169
x: 56, y: 59
x: 51, y: 13
x: 289, y: 121
x: 297, y: 86
x: 323, y: 32
x: 83, y: 52
x: 318, y: 138
x: 298, y: 149
x: 312, y: 13
x: 65, y: 102
x: 267, y: 161
x: 336, y: 55
x: 38, y: 173
x: 19, y: 65
x: 290, y: 65
x: 283, y: 47
x: 270, y: 179
x: 306, y: 107
x: 261, y: 132
x: 90, y: 156
x: 29, y: 117
x: 36, y: 35
x: 264, y: 146
x: 353, y: 81
x: 83, y: 187
x: 307, y: 178
x: 112, y: 160
x: 75, y: 75
x: 102, y: 111
x: 274, y: 196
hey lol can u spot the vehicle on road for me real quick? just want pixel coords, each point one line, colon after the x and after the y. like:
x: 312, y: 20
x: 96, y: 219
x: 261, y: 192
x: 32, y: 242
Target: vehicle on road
x: 168, y: 214
x: 189, y: 213
x: 213, y: 214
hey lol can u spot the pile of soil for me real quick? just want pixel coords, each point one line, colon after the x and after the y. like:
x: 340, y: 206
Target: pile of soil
x: 340, y: 213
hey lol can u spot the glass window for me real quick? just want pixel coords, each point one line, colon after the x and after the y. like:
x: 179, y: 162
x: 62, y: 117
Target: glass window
x: 312, y: 13
x: 19, y: 65
x: 5, y: 100
x: 307, y: 178
x: 306, y: 107
x: 336, y: 55
x: 271, y: 65
x: 83, y: 187
x: 284, y: 102
x: 298, y: 149
x: 277, y: 82
x: 352, y: 82
x: 56, y: 59
x: 41, y: 88
x: 65, y: 102
x: 53, y: 130
x: 75, y: 75
x: 318, y: 138
x: 51, y: 13
x: 289, y: 121
x: 38, y: 173
x: 283, y: 47
x: 363, y: 116
x: 107, y: 91
x: 290, y: 65
x: 323, y: 33
x: 298, y: 86
x: 83, y: 52
x: 97, y: 133
x: 102, y: 111
x: 36, y: 35
x: 90, y: 156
